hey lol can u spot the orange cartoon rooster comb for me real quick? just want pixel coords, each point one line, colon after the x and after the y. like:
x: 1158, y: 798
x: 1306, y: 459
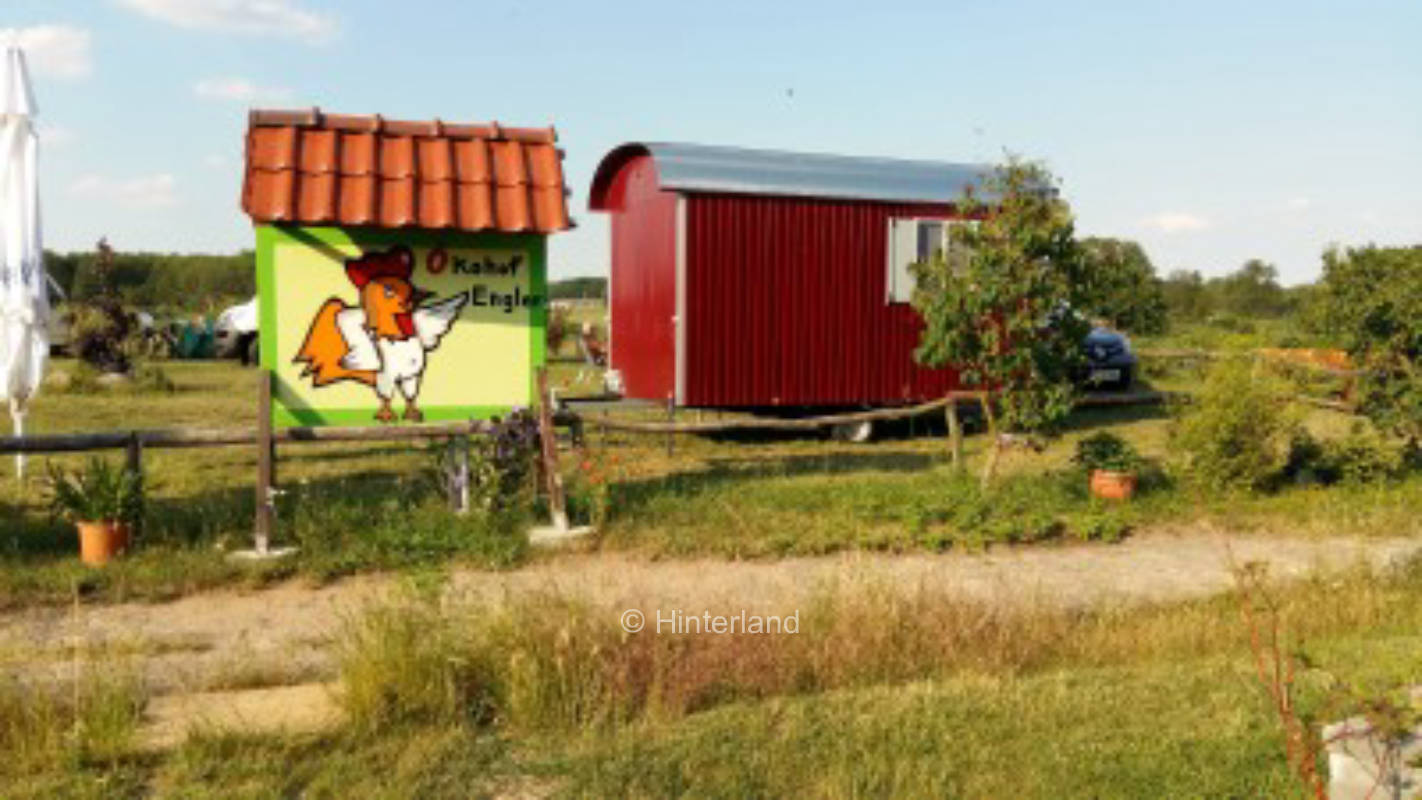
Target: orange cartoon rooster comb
x: 397, y: 262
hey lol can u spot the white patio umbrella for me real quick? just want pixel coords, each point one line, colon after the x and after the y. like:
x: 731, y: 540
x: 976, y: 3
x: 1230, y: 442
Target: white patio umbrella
x: 24, y: 298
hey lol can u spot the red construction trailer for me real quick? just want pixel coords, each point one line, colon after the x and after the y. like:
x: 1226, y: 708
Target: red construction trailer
x: 761, y: 280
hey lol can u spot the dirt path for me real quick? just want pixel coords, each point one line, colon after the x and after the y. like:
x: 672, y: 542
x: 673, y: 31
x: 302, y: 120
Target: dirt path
x: 284, y: 635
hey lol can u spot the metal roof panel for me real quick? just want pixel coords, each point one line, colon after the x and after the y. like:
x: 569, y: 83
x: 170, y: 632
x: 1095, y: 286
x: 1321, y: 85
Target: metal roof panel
x: 736, y: 170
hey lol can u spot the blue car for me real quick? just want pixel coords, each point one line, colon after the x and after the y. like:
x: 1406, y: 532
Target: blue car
x: 1110, y: 364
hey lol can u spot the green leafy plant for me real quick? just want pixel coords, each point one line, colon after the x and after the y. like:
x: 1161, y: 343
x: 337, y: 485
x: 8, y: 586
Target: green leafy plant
x: 994, y: 310
x: 98, y: 493
x: 1238, y: 432
x: 1371, y: 301
x: 1363, y: 456
x: 1124, y: 287
x: 1106, y: 451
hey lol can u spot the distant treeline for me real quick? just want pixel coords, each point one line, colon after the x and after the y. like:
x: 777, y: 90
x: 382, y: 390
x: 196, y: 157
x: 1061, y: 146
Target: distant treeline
x: 1129, y: 293
x: 206, y: 283
x: 577, y: 288
x: 159, y: 281
x: 1253, y: 290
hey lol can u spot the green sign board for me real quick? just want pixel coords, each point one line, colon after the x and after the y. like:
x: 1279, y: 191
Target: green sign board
x: 381, y: 326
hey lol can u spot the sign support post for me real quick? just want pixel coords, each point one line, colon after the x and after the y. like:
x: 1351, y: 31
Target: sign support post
x: 264, y: 522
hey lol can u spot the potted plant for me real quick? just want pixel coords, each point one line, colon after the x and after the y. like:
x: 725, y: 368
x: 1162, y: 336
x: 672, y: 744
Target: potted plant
x: 102, y: 502
x: 1111, y: 463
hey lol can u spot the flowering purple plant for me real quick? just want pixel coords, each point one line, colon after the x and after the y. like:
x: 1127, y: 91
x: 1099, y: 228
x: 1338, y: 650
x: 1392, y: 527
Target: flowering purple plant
x: 514, y: 448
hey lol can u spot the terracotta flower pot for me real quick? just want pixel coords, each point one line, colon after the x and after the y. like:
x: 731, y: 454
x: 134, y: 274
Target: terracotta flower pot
x: 101, y: 541
x: 1112, y: 485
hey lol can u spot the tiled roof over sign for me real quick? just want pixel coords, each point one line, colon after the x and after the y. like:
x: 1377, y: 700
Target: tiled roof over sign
x: 312, y: 168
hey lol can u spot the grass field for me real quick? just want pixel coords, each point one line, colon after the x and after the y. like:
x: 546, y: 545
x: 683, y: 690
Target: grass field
x: 353, y: 507
x: 876, y: 697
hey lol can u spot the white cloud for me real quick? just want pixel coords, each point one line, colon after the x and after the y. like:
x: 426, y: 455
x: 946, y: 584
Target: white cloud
x: 148, y: 191
x: 239, y: 90
x: 1176, y: 222
x: 56, y: 136
x: 1299, y: 203
x: 216, y: 161
x: 257, y: 17
x: 58, y: 51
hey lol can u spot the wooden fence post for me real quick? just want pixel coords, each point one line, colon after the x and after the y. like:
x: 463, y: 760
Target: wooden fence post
x: 459, y: 496
x: 266, y: 468
x: 133, y: 463
x: 557, y: 502
x: 955, y: 433
x: 995, y: 440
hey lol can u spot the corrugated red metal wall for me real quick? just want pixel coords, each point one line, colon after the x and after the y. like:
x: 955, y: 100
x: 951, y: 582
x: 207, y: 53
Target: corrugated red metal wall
x: 643, y: 282
x: 785, y: 305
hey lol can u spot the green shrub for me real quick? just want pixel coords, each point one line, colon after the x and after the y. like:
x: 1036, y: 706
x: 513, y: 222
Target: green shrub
x: 1237, y: 433
x: 1371, y: 302
x: 1361, y: 457
x: 1106, y: 451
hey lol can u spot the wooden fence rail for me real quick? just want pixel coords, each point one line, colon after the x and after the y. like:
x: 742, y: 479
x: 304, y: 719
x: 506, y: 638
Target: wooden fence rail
x: 177, y: 438
x: 182, y: 438
x: 883, y: 414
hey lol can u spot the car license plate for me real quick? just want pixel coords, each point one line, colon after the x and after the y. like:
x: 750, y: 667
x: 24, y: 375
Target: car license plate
x: 1105, y: 375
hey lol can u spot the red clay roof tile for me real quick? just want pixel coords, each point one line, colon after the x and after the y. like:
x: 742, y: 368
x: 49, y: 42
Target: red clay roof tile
x: 316, y: 203
x: 357, y: 154
x: 472, y: 158
x: 475, y: 210
x: 310, y: 168
x: 318, y: 152
x: 436, y: 160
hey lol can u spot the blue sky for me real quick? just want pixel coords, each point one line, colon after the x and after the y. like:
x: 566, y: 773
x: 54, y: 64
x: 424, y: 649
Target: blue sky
x: 1211, y: 132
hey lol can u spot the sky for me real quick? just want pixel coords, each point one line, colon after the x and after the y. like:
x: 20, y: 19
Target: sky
x: 1210, y: 132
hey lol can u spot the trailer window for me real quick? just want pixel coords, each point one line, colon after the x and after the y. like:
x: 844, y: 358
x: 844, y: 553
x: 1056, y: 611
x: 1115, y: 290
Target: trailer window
x: 915, y: 241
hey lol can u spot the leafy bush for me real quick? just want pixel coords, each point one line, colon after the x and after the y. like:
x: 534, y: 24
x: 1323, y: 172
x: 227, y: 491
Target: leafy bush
x: 1371, y: 300
x: 1361, y: 457
x: 99, y: 493
x: 1237, y: 433
x: 1106, y: 451
x: 101, y: 332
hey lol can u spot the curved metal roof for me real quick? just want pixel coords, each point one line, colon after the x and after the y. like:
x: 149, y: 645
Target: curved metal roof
x: 736, y: 170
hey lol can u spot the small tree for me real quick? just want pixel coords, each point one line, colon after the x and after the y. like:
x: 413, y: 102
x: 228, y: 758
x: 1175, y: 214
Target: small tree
x: 1124, y: 287
x: 1000, y: 306
x: 1371, y: 301
x: 1253, y: 290
x: 1185, y: 295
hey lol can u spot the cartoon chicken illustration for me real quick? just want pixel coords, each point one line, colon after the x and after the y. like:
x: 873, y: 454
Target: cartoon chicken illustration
x: 384, y: 339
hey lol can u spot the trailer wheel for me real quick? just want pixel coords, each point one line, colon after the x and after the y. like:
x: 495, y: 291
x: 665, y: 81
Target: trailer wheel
x: 856, y: 432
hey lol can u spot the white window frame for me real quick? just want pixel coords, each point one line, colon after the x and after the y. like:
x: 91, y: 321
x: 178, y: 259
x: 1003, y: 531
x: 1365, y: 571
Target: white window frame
x: 903, y: 250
